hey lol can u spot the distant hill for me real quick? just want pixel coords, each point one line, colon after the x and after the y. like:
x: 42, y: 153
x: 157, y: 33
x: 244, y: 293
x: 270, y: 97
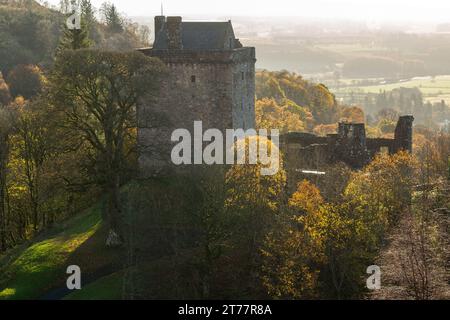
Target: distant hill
x: 29, y: 33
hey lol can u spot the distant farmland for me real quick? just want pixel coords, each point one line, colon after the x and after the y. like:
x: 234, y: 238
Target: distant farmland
x: 434, y: 89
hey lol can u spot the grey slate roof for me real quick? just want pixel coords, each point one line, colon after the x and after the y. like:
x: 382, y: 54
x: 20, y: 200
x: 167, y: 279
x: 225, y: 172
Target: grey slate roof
x: 199, y: 36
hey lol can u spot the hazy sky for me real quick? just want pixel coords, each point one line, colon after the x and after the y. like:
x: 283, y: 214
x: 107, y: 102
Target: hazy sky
x: 378, y: 10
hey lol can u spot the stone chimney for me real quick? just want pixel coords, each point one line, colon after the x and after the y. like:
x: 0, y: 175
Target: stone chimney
x: 173, y: 27
x: 159, y: 23
x: 404, y: 134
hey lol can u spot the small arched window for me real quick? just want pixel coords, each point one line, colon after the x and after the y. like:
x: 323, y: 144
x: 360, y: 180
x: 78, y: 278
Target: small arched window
x: 193, y: 79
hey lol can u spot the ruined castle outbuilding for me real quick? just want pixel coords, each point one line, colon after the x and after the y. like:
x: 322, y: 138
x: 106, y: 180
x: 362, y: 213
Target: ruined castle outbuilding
x: 305, y: 152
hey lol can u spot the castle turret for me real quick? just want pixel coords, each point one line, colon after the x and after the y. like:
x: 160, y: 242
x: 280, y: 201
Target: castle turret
x: 404, y: 134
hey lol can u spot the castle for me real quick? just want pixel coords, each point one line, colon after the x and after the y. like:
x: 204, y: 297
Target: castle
x: 211, y: 78
x: 306, y: 154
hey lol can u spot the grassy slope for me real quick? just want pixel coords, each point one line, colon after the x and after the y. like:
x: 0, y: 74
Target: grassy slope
x: 37, y: 270
x: 41, y: 267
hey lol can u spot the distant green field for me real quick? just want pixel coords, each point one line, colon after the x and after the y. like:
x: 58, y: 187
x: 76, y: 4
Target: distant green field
x: 354, y: 49
x: 433, y: 89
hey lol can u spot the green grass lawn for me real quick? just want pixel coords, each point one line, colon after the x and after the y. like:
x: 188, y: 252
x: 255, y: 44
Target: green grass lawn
x: 38, y: 267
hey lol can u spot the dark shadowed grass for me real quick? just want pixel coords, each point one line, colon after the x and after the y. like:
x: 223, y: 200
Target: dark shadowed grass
x: 40, y: 266
x: 106, y: 288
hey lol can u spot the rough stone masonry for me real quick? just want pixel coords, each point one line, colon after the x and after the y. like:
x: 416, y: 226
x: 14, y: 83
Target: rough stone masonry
x: 211, y: 78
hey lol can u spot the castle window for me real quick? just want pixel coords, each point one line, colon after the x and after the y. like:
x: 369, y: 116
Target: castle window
x: 243, y: 75
x: 193, y: 79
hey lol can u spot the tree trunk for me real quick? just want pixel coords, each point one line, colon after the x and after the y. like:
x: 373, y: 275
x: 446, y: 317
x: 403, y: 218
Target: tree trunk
x: 2, y: 206
x: 113, y: 207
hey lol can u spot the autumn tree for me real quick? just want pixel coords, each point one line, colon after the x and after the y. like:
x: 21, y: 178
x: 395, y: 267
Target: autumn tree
x: 333, y: 184
x: 5, y: 95
x: 313, y: 103
x: 25, y: 81
x: 270, y: 115
x: 353, y: 114
x: 34, y: 143
x: 322, y: 248
x: 7, y: 123
x: 383, y: 187
x: 292, y: 250
x: 317, y: 249
x: 322, y: 104
x: 98, y: 93
x: 348, y: 248
x: 254, y: 200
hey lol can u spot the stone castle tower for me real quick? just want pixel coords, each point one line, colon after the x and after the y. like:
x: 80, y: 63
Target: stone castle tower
x: 211, y: 78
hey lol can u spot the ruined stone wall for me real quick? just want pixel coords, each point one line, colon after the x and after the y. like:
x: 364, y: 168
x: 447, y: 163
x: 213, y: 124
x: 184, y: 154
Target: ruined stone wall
x: 404, y: 134
x: 350, y: 145
x: 298, y: 158
x: 375, y: 145
x: 305, y: 151
x: 183, y: 100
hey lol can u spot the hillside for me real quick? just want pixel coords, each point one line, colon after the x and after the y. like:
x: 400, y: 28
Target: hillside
x: 29, y: 33
x: 37, y: 270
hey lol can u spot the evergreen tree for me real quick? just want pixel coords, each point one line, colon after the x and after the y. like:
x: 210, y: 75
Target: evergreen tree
x: 87, y: 13
x: 112, y: 18
x: 66, y: 6
x: 87, y: 10
x: 74, y: 39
